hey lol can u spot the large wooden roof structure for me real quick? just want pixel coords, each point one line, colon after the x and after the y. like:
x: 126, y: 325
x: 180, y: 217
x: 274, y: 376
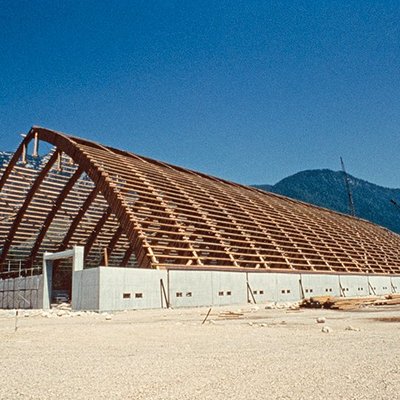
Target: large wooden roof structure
x: 132, y: 211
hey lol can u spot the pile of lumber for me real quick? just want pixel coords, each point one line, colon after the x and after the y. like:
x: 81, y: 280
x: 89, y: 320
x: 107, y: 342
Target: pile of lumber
x: 230, y: 315
x: 350, y: 303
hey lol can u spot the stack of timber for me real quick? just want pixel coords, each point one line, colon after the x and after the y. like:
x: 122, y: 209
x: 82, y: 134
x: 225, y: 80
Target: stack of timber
x: 350, y: 303
x: 230, y: 315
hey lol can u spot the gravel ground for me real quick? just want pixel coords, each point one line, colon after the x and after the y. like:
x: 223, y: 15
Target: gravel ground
x: 169, y: 354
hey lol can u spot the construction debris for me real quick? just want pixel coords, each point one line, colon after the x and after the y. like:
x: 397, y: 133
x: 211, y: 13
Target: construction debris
x: 280, y: 306
x: 326, y: 329
x: 352, y: 328
x: 230, y: 315
x: 350, y: 303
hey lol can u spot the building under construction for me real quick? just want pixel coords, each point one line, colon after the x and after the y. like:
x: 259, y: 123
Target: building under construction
x: 146, y: 234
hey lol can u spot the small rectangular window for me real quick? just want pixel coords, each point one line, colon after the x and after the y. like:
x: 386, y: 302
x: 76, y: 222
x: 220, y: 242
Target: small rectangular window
x: 178, y: 294
x: 306, y: 290
x: 288, y: 291
x: 254, y: 291
x: 220, y: 293
x: 189, y: 294
x: 126, y: 295
x: 138, y: 295
x: 283, y: 291
x: 228, y: 293
x: 311, y: 290
x: 261, y: 291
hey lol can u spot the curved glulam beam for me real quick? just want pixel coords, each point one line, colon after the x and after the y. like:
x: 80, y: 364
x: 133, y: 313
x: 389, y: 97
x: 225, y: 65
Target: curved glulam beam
x: 93, y: 169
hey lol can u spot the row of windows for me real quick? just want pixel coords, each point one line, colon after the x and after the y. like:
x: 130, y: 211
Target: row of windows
x: 139, y: 295
x: 128, y: 295
x: 180, y: 294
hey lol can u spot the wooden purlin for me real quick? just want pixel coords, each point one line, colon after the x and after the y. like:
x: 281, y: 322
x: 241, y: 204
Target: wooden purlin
x: 142, y: 250
x: 89, y: 243
x: 114, y: 240
x: 303, y: 241
x: 179, y: 229
x: 49, y: 219
x: 76, y: 221
x: 190, y: 200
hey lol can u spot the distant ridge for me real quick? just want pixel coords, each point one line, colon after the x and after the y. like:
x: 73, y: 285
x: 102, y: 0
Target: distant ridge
x: 326, y: 188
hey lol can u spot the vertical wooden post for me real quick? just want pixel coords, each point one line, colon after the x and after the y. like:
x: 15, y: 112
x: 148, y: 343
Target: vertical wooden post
x: 105, y: 256
x: 23, y: 158
x: 59, y: 161
x: 35, y: 152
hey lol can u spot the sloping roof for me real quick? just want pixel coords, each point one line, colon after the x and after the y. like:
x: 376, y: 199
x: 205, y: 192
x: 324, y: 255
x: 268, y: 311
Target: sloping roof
x: 130, y: 210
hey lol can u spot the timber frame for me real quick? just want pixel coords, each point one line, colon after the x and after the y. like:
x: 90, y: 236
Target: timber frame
x: 132, y: 211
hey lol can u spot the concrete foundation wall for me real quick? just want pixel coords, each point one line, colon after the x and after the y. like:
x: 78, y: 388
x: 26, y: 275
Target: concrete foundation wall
x: 85, y: 289
x: 23, y: 292
x: 128, y: 288
x: 354, y: 285
x: 228, y: 288
x: 395, y: 283
x: 206, y: 288
x: 108, y: 289
x: 190, y: 289
x: 380, y: 285
x: 320, y: 285
x: 274, y: 287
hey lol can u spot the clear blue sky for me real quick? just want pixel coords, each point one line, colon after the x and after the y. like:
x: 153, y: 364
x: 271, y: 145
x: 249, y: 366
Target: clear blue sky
x: 251, y: 91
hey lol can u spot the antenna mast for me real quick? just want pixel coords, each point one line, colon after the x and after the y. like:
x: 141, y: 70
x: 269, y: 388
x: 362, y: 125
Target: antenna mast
x: 395, y: 203
x: 348, y: 189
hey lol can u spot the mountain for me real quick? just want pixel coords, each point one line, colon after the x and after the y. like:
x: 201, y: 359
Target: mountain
x: 326, y: 188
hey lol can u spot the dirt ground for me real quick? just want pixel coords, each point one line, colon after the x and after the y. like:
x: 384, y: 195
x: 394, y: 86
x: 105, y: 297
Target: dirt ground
x: 169, y: 354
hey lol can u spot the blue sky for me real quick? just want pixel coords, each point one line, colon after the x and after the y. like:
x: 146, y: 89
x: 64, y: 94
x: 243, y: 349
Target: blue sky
x: 250, y: 91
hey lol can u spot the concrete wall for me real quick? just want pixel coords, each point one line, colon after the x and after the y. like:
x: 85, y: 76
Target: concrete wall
x: 129, y: 288
x: 380, y: 285
x: 395, y: 283
x: 354, y: 285
x: 22, y: 292
x: 85, y: 289
x: 274, y: 286
x: 206, y: 288
x: 190, y: 288
x: 320, y: 285
x: 228, y: 288
x: 107, y: 288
